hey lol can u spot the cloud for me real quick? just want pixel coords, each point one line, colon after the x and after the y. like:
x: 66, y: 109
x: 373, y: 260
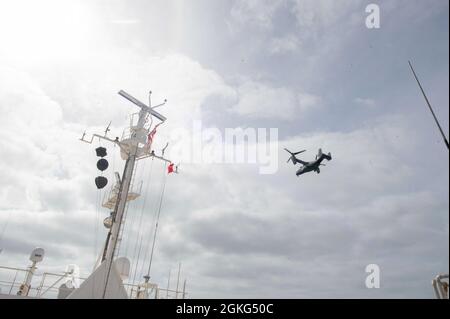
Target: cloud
x: 314, y: 16
x: 237, y: 233
x: 286, y: 231
x: 285, y: 44
x: 90, y: 87
x: 366, y: 102
x: 286, y: 240
x: 308, y: 102
x: 254, y: 13
x: 258, y: 100
x: 243, y: 230
x: 125, y: 21
x: 47, y: 172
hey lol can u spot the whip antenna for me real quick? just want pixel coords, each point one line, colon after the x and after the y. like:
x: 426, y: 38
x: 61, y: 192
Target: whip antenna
x: 429, y: 105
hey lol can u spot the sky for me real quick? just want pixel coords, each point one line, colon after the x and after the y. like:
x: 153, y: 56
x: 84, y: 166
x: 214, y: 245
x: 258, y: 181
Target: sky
x: 311, y: 69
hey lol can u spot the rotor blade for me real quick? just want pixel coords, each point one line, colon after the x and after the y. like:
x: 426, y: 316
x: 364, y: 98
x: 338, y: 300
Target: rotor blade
x: 289, y: 159
x: 299, y: 152
x: 288, y: 151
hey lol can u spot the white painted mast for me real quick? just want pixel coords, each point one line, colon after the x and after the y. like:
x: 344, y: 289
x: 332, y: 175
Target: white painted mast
x: 118, y: 212
x: 133, y: 148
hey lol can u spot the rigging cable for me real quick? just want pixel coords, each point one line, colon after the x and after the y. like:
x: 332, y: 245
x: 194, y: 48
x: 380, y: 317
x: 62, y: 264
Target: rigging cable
x: 139, y: 236
x: 148, y: 243
x: 133, y: 216
x: 157, y: 222
x: 2, y: 234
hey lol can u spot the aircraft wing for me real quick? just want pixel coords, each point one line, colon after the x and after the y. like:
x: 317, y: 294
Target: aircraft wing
x: 319, y: 160
x: 301, y: 162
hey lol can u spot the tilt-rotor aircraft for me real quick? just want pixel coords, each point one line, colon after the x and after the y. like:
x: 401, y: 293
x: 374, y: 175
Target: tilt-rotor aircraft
x: 308, y: 166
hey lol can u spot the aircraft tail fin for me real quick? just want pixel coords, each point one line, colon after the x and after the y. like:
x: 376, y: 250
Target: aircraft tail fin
x: 322, y: 155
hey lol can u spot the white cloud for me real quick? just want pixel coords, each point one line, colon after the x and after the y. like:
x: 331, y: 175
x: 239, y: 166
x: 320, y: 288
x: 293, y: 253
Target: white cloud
x: 316, y: 15
x: 289, y: 230
x: 292, y: 230
x: 236, y: 233
x: 308, y: 102
x: 125, y: 21
x: 255, y: 13
x: 286, y: 44
x: 312, y: 16
x: 261, y: 101
x: 88, y: 90
x: 366, y: 102
x: 257, y: 100
x: 47, y: 172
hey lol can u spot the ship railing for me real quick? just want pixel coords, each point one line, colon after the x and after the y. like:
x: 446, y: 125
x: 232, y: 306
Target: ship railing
x: 155, y: 293
x: 43, y: 285
x: 134, y: 119
x: 46, y: 285
x: 133, y: 125
x: 126, y: 134
x: 10, y: 279
x: 50, y: 283
x: 171, y: 294
x: 440, y: 285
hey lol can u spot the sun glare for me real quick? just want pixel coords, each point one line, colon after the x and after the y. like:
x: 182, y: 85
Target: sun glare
x: 39, y: 31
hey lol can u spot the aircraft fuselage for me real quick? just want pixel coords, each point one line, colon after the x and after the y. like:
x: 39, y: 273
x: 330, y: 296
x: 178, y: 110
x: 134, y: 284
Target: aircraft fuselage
x: 308, y: 168
x: 313, y: 166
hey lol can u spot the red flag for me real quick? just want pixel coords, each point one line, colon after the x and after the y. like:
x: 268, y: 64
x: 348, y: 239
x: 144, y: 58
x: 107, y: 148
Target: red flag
x: 170, y: 168
x: 152, y: 134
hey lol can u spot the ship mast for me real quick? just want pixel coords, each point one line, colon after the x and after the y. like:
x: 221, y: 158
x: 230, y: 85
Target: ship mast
x: 133, y: 148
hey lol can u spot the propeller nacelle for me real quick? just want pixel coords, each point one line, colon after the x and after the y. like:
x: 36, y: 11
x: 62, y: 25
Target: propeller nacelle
x: 292, y: 157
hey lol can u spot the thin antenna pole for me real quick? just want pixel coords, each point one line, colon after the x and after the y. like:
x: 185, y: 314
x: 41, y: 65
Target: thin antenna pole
x: 429, y: 105
x: 178, y: 281
x: 150, y: 98
x: 184, y: 289
x: 168, y: 285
